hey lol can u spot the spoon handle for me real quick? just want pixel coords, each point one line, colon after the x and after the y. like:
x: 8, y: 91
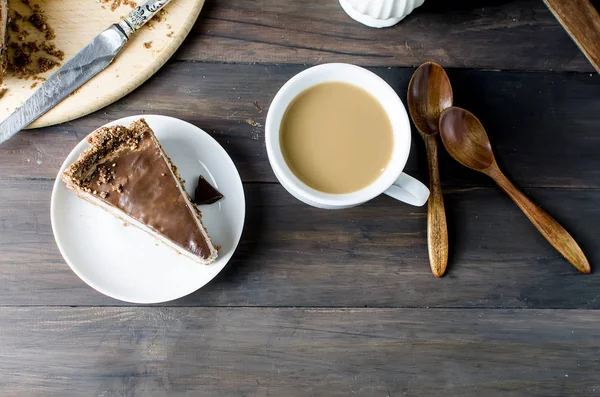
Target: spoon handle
x: 550, y: 229
x: 437, y: 230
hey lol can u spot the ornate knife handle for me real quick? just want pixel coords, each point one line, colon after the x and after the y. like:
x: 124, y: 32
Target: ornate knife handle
x: 141, y: 14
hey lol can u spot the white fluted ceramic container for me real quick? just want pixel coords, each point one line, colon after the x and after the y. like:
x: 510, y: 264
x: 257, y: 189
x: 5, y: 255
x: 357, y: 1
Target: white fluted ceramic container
x: 379, y: 13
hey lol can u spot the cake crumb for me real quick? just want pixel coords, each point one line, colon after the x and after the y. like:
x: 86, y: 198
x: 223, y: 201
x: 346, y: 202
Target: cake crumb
x: 12, y: 25
x: 161, y: 16
x: 148, y: 44
x: 252, y: 123
x: 114, y: 4
x: 46, y: 64
x: 51, y: 49
x: 22, y: 54
x: 35, y: 83
x: 3, y: 92
x: 39, y: 21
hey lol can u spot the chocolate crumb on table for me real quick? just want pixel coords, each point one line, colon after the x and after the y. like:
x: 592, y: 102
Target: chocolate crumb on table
x: 148, y: 44
x: 3, y: 92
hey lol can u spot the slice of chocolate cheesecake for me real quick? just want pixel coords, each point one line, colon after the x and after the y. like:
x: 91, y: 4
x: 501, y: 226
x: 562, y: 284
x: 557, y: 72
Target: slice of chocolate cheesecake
x: 126, y: 172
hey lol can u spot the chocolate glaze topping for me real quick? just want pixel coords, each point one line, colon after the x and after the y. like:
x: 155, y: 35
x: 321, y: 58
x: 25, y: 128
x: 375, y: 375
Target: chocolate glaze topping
x: 140, y: 183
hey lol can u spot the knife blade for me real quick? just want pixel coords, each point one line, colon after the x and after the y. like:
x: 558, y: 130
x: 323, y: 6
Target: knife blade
x: 78, y: 70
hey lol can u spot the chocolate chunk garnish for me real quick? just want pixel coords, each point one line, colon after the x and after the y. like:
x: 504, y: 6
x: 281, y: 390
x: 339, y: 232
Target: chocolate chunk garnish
x: 205, y: 193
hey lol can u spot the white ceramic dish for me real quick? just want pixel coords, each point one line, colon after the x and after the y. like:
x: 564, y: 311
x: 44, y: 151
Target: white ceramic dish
x: 379, y: 13
x: 128, y: 264
x: 392, y: 181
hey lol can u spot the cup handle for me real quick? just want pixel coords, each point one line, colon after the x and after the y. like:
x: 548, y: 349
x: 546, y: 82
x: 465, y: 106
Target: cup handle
x: 409, y: 190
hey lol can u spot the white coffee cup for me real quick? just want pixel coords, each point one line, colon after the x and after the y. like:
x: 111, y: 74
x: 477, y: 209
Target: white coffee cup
x: 392, y: 181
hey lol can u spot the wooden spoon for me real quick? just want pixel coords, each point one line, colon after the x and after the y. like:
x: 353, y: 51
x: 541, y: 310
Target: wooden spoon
x: 466, y: 140
x: 429, y: 93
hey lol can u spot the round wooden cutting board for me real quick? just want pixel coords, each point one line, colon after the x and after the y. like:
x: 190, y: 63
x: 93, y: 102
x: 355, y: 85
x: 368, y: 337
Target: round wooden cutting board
x: 76, y: 23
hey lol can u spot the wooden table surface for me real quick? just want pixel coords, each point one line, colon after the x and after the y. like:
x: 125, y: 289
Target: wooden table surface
x: 318, y: 303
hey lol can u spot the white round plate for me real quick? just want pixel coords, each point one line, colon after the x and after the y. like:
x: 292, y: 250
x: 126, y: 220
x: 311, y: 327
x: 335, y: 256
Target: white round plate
x: 128, y: 264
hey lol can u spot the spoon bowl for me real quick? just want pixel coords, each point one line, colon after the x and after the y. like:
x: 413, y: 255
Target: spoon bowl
x: 429, y: 93
x: 466, y: 140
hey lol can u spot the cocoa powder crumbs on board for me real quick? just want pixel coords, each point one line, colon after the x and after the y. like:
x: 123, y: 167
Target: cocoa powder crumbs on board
x: 26, y: 58
x: 51, y: 49
x: 12, y: 25
x: 46, y: 64
x: 161, y: 16
x: 20, y: 57
x: 114, y: 4
x: 39, y: 21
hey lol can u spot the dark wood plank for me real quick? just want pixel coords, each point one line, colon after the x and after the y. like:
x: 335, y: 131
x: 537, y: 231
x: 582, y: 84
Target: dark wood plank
x: 543, y: 126
x: 492, y: 34
x: 373, y: 255
x: 299, y: 352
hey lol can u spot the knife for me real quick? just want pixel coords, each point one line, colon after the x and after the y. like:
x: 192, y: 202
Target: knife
x: 87, y: 63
